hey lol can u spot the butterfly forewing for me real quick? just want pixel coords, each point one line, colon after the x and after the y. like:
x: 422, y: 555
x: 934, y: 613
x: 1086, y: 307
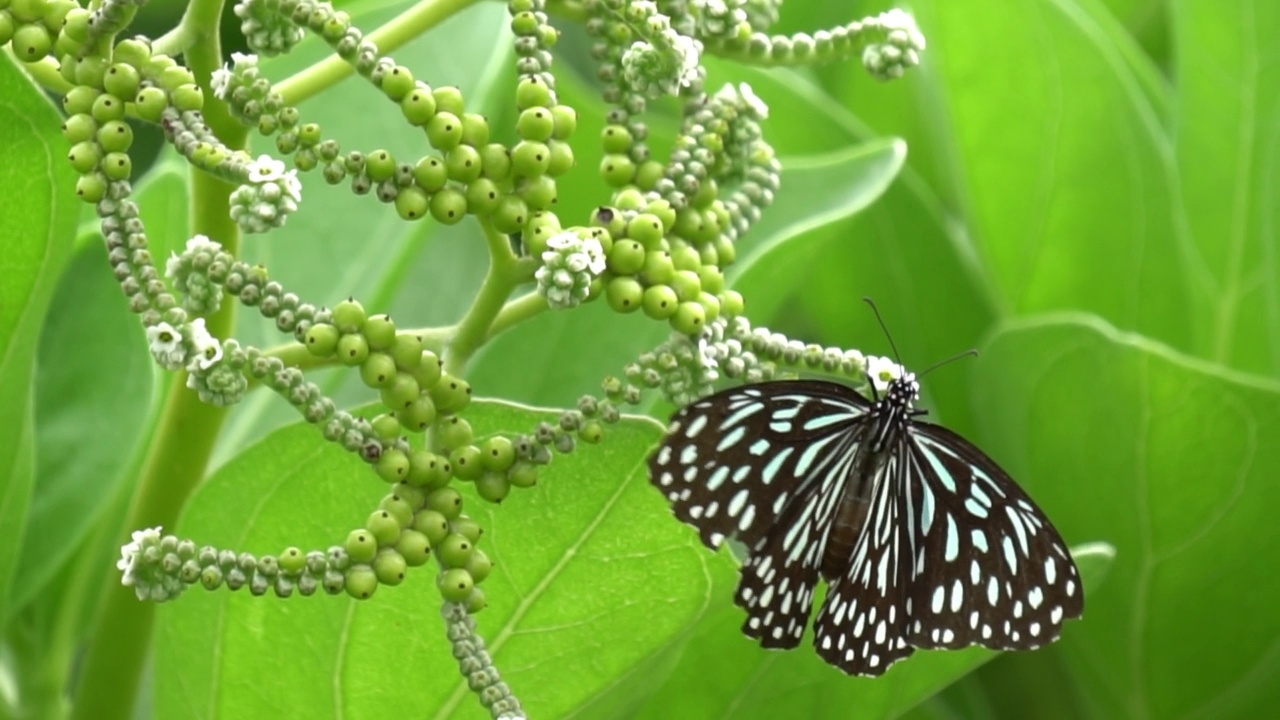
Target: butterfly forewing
x: 924, y: 541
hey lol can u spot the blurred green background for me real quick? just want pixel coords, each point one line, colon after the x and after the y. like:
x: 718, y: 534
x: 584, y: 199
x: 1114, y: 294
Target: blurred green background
x: 1084, y: 190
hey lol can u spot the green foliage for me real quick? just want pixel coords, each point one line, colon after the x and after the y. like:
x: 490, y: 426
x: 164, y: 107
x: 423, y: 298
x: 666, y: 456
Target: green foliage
x: 1082, y: 196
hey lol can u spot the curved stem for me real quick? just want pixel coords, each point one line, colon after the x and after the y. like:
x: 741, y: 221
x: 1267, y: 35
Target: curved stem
x: 516, y: 312
x: 46, y: 73
x: 476, y: 325
x: 406, y: 26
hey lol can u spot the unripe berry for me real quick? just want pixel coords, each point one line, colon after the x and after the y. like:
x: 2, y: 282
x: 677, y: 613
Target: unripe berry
x: 449, y: 99
x: 660, y: 302
x: 539, y: 193
x: 444, y: 131
x: 349, y: 316
x: 79, y: 128
x: 497, y: 453
x: 414, y: 547
x: 449, y: 206
x: 322, y: 340
x: 406, y: 350
x: 475, y: 130
x: 463, y: 164
x: 617, y: 170
x: 84, y: 156
x: 455, y: 550
x: 566, y: 121
x: 90, y: 71
x: 689, y: 318
x: 532, y: 92
x: 624, y: 294
x: 412, y: 203
x: 496, y: 160
x: 482, y: 197
x: 561, y: 160
x: 454, y: 432
x: 479, y: 566
x: 393, y: 466
x: 117, y: 166
x: 493, y: 487
x: 386, y: 427
x: 451, y: 394
x: 380, y: 165
x: 400, y: 392
x: 686, y: 284
x: 150, y: 103
x: 447, y: 502
x: 430, y: 174
x: 455, y: 585
x: 658, y: 268
x: 432, y: 524
x: 91, y: 188
x: 389, y: 566
x: 361, y: 546
x: 536, y: 124
x: 419, y: 414
x: 467, y: 527
x: 79, y: 100
x: 418, y: 106
x: 384, y: 527
x: 530, y: 159
x: 398, y: 83
x: 31, y: 43
x: 731, y: 303
x: 361, y: 582
x: 466, y: 461
x: 616, y: 139
x: 352, y: 350
x: 121, y: 80
x: 427, y: 373
x: 115, y: 136
x: 626, y: 257
x: 427, y: 470
x: 523, y: 474
x: 399, y: 508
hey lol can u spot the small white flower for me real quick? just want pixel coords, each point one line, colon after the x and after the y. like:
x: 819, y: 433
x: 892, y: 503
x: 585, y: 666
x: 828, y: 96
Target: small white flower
x: 753, y: 101
x: 166, y: 346
x: 689, y: 51
x: 244, y: 60
x: 595, y: 256
x: 898, y: 19
x: 208, y: 351
x: 292, y: 185
x: 220, y: 82
x: 266, y: 169
x: 129, y: 553
x: 882, y: 371
x: 562, y: 240
x: 200, y: 242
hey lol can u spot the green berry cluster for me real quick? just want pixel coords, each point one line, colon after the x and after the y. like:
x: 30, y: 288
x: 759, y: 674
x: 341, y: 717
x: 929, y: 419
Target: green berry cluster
x: 130, y: 257
x: 534, y: 38
x: 33, y: 26
x: 267, y: 26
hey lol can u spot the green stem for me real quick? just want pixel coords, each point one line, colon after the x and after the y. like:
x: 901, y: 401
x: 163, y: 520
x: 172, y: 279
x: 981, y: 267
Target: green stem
x: 516, y: 312
x: 46, y: 73
x: 476, y: 326
x: 186, y: 432
x: 406, y: 26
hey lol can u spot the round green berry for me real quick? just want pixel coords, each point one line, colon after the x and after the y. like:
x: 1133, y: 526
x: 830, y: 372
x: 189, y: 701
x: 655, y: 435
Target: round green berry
x: 530, y: 158
x: 432, y: 524
x: 510, y: 215
x: 532, y: 92
x: 539, y: 193
x: 455, y: 585
x: 115, y: 136
x: 686, y: 284
x: 536, y: 124
x: 523, y: 474
x: 663, y: 211
x: 685, y: 257
x: 406, y: 350
x: 725, y: 250
x: 449, y: 206
x: 463, y: 164
x: 591, y: 432
x: 400, y: 392
x: 31, y: 43
x: 393, y: 465
x: 188, y: 98
x: 475, y: 130
x: 378, y: 370
x: 117, y: 166
x: 467, y: 462
x: 349, y: 316
x: 412, y: 203
x: 711, y: 278
x: 455, y: 550
x: 476, y: 601
x: 430, y: 174
x: 542, y: 226
x: 80, y: 100
x: 380, y: 331
x: 493, y: 487
x: 689, y: 318
x: 380, y: 165
x: 479, y: 566
x: 322, y: 339
x: 106, y: 108
x: 624, y: 294
x: 389, y: 566
x: 731, y: 303
x: 626, y: 257
x: 561, y: 159
x: 482, y: 197
x: 428, y: 370
x: 79, y: 128
x: 616, y: 139
x: 399, y: 507
x: 660, y: 302
x: 91, y: 188
x: 361, y: 545
x: 454, y: 432
x: 85, y: 156
x: 418, y: 415
x: 658, y: 268
x: 398, y: 83
x: 566, y: 121
x: 648, y: 175
x: 444, y: 131
x: 292, y: 561
x: 173, y: 76
x: 419, y: 105
x: 647, y: 230
x: 122, y: 80
x: 449, y: 99
x: 151, y: 103
x: 467, y: 527
x: 352, y: 349
x: 91, y: 70
x: 446, y: 501
x: 384, y: 527
x: 386, y: 427
x: 496, y: 160
x: 423, y: 468
x: 498, y: 453
x: 617, y: 170
x: 133, y: 52
x: 711, y: 304
x: 414, y: 547
x: 361, y: 581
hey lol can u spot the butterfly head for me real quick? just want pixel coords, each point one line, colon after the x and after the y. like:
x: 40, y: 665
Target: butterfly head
x: 902, y: 391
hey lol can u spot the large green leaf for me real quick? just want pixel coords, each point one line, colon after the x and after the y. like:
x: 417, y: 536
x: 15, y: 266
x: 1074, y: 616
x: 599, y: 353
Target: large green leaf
x: 1172, y: 461
x: 1228, y: 109
x: 37, y: 226
x: 591, y: 577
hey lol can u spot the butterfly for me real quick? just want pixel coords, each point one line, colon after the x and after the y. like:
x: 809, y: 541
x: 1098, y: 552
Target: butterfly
x: 922, y: 539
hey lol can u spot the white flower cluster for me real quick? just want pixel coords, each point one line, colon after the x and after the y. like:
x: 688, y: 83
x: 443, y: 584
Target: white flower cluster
x: 268, y: 199
x: 901, y: 48
x: 242, y: 70
x: 138, y: 563
x: 265, y: 29
x: 196, y: 349
x: 569, y: 265
x: 189, y: 274
x: 668, y: 64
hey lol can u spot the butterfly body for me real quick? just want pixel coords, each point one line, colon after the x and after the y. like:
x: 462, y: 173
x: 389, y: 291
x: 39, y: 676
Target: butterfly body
x: 923, y: 541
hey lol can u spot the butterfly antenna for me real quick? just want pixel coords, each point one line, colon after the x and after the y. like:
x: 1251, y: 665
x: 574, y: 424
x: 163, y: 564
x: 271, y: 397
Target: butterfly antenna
x: 896, y: 357
x: 957, y: 356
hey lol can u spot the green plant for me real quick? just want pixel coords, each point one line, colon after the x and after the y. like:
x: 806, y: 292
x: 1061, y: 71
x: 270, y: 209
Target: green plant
x: 1050, y: 198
